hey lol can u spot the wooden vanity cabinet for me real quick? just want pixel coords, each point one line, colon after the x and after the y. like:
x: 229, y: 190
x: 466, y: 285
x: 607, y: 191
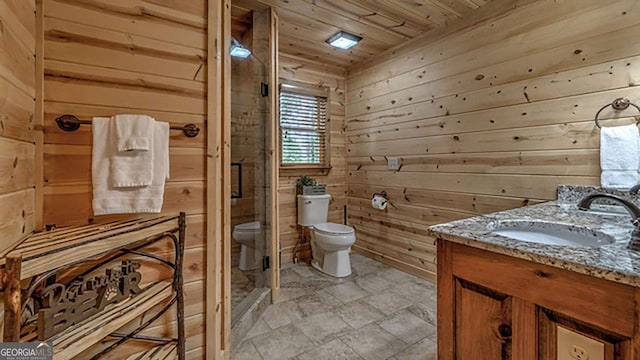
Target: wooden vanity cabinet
x: 494, y: 306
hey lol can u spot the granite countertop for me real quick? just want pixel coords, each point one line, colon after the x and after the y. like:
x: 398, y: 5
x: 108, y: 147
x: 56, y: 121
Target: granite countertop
x: 612, y: 261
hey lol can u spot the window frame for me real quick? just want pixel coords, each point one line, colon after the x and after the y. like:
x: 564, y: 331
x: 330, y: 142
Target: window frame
x: 312, y: 90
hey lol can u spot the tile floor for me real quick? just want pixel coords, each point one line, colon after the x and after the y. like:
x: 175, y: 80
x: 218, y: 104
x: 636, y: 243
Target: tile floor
x: 242, y: 284
x: 376, y: 313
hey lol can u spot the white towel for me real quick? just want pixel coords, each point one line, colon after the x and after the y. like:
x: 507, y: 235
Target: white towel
x: 134, y: 132
x: 110, y: 200
x: 131, y: 168
x: 619, y: 156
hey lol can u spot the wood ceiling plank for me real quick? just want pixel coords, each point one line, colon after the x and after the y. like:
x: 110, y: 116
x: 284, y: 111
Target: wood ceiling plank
x: 426, y: 9
x: 392, y: 12
x: 306, y: 24
x: 355, y: 11
x: 366, y: 47
x: 326, y: 49
x: 322, y: 15
x: 293, y: 20
x: 312, y: 51
x: 457, y: 7
x: 292, y: 63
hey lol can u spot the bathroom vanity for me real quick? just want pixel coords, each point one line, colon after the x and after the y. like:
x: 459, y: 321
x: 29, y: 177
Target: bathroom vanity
x: 503, y: 298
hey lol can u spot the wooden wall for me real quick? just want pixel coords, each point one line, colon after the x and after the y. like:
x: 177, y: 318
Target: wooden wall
x: 137, y: 56
x: 17, y: 108
x: 491, y: 117
x: 293, y: 68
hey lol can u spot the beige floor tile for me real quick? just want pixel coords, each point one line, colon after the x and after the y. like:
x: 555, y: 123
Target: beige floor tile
x: 334, y: 350
x: 374, y: 283
x: 397, y: 276
x: 414, y: 291
x: 359, y: 313
x: 287, y: 294
x: 323, y: 327
x: 388, y: 302
x: 317, y: 303
x: 307, y: 272
x: 373, y: 342
x: 407, y: 327
x: 348, y: 291
x: 260, y: 327
x: 283, y: 343
x: 425, y: 349
x: 425, y: 310
x: 282, y: 314
x: 289, y: 275
x: 376, y: 313
x: 364, y: 267
x: 245, y: 351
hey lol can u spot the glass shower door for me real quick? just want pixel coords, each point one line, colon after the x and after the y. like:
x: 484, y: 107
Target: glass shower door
x: 250, y: 127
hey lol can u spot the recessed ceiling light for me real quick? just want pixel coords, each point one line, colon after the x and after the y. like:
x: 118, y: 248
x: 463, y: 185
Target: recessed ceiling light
x: 343, y: 40
x: 238, y: 50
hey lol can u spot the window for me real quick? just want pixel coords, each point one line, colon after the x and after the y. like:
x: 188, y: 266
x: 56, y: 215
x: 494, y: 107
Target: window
x: 304, y: 133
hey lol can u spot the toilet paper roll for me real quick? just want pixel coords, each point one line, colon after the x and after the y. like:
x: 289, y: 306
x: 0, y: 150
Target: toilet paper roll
x: 379, y: 202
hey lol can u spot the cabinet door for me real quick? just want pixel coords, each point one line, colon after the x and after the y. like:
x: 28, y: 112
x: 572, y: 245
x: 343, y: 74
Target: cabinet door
x: 482, y: 323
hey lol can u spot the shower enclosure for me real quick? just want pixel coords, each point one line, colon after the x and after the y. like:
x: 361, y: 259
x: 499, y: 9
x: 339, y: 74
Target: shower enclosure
x: 252, y: 152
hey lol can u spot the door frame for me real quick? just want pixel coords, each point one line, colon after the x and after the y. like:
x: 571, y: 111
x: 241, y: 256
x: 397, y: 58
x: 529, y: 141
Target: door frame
x: 218, y: 226
x: 218, y: 195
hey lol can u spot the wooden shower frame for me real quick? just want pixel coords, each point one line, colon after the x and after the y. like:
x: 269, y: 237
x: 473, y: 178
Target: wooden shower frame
x: 218, y: 268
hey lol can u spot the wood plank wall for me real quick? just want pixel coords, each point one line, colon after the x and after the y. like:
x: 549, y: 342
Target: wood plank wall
x: 491, y: 117
x: 293, y: 68
x: 137, y: 56
x: 17, y: 133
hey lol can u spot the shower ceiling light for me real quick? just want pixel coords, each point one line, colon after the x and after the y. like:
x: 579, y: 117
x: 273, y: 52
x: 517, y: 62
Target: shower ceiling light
x: 238, y: 50
x: 343, y: 40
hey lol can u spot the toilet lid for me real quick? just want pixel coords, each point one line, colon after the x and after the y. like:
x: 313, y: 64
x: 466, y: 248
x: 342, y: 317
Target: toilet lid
x: 248, y: 226
x: 331, y: 228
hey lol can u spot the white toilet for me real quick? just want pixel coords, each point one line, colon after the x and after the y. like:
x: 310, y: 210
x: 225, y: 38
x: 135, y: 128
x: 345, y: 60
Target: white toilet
x: 330, y: 242
x: 246, y: 234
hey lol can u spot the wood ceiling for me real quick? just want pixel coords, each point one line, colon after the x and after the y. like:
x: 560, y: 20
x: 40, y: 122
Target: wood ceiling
x: 306, y: 24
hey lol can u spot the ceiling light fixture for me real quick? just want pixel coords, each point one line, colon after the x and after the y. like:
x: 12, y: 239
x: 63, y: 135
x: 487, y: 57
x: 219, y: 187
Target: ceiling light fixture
x: 238, y: 50
x: 343, y: 40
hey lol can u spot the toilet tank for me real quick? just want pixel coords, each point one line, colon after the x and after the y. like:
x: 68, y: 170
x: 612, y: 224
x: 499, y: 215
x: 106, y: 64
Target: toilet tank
x: 313, y: 209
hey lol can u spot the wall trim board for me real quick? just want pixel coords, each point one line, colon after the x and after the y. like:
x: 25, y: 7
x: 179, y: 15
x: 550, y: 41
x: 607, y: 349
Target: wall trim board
x: 39, y: 118
x: 218, y: 274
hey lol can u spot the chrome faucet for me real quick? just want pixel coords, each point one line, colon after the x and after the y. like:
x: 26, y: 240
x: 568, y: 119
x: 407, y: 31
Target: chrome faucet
x: 634, y: 211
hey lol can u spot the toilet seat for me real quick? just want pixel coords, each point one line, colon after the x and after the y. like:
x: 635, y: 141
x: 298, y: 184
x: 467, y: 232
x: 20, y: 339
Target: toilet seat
x: 250, y: 226
x: 333, y: 229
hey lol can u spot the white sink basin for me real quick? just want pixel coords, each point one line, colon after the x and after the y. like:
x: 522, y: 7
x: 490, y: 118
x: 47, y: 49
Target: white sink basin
x: 550, y: 233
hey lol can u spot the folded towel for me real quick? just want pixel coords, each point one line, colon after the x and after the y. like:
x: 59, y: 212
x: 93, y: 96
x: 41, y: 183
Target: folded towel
x: 131, y: 168
x: 108, y: 199
x: 619, y: 156
x: 133, y: 132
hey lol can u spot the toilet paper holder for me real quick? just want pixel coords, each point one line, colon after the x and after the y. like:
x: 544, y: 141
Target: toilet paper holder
x: 379, y: 200
x: 381, y: 193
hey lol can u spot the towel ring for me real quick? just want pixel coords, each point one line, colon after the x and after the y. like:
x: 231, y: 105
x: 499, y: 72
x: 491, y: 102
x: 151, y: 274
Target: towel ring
x: 618, y: 104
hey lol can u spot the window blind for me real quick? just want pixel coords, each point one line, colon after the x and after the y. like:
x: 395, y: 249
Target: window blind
x: 303, y: 128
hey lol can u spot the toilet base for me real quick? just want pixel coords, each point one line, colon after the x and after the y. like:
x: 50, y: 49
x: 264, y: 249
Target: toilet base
x: 335, y: 263
x: 249, y: 259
